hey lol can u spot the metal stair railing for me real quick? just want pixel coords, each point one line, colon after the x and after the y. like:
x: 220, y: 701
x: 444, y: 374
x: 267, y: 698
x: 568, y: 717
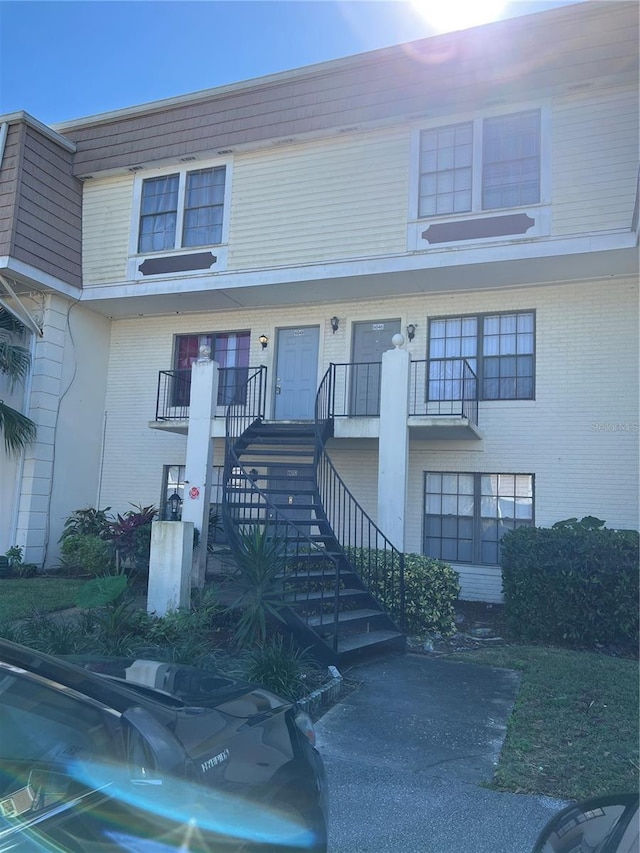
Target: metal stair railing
x: 246, y: 506
x: 378, y: 563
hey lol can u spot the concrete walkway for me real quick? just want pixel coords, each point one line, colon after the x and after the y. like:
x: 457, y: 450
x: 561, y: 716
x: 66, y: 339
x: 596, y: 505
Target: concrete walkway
x: 407, y: 753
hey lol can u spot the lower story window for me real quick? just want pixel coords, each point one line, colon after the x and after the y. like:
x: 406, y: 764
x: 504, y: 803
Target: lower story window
x: 173, y: 483
x: 466, y: 515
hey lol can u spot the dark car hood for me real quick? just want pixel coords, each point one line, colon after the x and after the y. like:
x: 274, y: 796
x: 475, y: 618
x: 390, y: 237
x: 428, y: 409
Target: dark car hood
x: 190, y: 685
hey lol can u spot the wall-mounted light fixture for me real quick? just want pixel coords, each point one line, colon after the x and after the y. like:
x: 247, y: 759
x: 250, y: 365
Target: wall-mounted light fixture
x: 174, y: 502
x: 264, y: 340
x: 411, y: 331
x: 335, y: 323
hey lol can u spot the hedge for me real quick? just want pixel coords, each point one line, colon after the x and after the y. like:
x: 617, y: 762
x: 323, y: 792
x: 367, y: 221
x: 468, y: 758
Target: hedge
x: 574, y: 584
x: 431, y: 590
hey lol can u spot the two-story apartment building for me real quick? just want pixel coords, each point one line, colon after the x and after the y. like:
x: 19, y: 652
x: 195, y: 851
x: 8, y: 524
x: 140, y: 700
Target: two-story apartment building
x: 475, y: 192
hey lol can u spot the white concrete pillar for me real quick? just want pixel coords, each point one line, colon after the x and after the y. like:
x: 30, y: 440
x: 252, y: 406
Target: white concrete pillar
x: 199, y: 461
x: 393, y: 447
x: 170, y: 566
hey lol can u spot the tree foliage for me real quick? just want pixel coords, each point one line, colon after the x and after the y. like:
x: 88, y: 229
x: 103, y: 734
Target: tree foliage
x: 18, y: 431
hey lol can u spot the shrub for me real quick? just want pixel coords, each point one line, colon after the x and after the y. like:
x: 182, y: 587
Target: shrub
x: 13, y: 564
x: 260, y: 561
x: 279, y: 667
x: 431, y: 590
x: 574, y: 584
x: 25, y: 570
x: 131, y: 536
x: 94, y: 541
x: 49, y: 635
x: 87, y: 522
x: 87, y: 552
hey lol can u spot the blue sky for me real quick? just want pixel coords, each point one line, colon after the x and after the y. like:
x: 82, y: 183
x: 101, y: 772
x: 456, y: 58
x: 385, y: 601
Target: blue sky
x: 64, y: 60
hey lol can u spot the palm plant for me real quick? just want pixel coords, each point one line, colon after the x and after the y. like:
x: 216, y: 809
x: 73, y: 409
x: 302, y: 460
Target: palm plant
x: 261, y: 561
x: 17, y: 429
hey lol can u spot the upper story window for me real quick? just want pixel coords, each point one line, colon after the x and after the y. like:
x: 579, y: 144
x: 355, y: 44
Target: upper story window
x: 182, y: 210
x: 499, y: 348
x: 484, y: 164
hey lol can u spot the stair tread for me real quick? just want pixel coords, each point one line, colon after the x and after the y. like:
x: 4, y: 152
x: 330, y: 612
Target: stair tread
x: 326, y: 619
x: 312, y: 573
x: 308, y: 471
x: 327, y: 595
x: 280, y: 451
x: 360, y: 641
x: 307, y: 441
x: 257, y: 503
x: 277, y: 491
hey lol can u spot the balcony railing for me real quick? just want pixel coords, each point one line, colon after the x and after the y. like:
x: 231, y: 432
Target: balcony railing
x: 353, y: 390
x: 443, y: 387
x: 438, y: 388
x: 174, y: 391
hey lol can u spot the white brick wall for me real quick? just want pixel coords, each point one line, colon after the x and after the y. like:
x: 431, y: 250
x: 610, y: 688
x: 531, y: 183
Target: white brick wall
x: 586, y: 377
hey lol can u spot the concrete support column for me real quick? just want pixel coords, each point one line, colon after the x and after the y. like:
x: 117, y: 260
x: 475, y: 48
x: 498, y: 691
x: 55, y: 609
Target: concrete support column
x: 170, y: 566
x: 199, y: 461
x: 393, y: 448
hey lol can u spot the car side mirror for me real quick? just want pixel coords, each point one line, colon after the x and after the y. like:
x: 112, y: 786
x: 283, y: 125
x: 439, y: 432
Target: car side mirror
x: 598, y: 825
x: 152, y: 751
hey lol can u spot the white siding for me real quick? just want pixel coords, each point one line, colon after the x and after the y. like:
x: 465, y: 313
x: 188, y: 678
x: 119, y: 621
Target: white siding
x: 347, y: 197
x: 595, y: 162
x: 344, y: 197
x: 106, y: 226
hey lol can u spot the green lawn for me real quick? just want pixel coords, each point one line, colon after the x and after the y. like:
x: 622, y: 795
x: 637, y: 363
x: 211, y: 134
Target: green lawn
x: 574, y: 728
x: 19, y: 597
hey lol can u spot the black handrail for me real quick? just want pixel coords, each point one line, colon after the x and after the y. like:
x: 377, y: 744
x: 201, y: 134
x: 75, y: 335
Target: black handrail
x: 249, y: 406
x: 379, y: 564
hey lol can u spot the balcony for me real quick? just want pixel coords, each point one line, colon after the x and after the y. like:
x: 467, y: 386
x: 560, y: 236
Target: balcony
x: 174, y: 395
x: 443, y: 399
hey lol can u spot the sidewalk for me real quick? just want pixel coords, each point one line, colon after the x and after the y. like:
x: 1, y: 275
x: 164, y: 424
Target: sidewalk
x: 407, y: 754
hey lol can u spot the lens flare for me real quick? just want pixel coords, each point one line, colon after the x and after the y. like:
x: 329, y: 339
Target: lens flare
x: 448, y: 15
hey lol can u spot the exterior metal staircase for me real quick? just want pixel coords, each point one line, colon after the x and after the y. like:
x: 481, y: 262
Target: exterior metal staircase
x: 336, y: 564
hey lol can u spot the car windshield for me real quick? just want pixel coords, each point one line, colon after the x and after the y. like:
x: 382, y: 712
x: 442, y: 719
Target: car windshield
x: 45, y: 735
